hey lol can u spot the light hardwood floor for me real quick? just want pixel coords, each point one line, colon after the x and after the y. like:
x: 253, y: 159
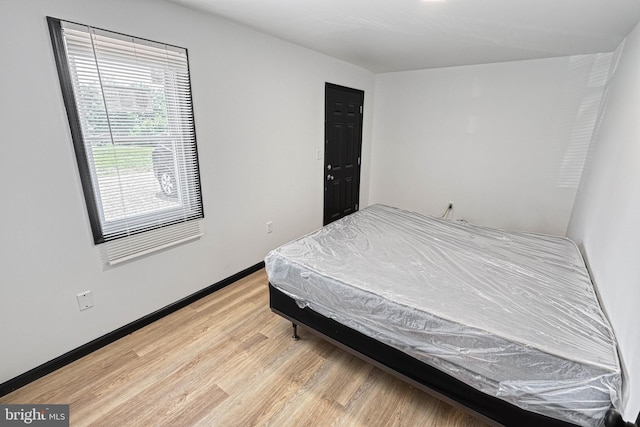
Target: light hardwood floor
x: 227, y: 360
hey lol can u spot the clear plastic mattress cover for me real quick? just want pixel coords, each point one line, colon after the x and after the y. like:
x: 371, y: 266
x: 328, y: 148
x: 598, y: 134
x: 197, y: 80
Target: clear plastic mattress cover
x: 512, y: 314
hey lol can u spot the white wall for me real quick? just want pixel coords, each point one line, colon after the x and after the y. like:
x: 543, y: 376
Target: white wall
x: 259, y: 115
x: 606, y: 217
x: 505, y: 142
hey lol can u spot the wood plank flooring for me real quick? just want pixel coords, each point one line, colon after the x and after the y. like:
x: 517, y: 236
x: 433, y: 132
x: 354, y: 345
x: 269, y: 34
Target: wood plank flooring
x: 227, y: 360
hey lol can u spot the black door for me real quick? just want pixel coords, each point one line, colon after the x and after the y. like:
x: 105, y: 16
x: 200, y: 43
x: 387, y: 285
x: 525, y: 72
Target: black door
x: 343, y: 145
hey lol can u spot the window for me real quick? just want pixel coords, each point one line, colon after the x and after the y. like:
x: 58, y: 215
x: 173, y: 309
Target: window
x: 129, y: 107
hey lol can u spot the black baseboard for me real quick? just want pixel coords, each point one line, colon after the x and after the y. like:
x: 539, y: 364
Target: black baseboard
x: 75, y: 354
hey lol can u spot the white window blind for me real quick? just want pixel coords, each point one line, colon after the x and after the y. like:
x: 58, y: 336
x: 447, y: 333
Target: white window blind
x: 129, y: 106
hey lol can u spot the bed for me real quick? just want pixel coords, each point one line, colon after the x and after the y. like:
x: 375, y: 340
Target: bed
x: 506, y: 324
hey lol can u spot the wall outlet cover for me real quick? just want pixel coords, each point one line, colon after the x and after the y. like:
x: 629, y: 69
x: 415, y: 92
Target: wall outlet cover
x: 85, y: 300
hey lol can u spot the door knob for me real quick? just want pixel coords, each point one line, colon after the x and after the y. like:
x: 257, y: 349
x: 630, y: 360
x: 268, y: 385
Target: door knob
x: 329, y: 167
x: 329, y: 177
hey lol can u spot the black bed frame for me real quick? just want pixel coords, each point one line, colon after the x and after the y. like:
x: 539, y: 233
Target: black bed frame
x: 490, y: 409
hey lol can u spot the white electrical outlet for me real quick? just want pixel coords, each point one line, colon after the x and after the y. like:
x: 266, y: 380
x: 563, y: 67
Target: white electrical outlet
x: 85, y: 300
x: 269, y: 227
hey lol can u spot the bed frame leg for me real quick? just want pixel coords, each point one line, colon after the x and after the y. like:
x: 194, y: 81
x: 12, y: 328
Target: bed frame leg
x: 295, y: 332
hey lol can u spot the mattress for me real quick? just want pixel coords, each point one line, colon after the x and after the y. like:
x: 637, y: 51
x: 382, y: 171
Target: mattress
x: 512, y: 314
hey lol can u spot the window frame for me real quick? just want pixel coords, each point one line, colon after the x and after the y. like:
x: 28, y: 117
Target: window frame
x: 92, y: 199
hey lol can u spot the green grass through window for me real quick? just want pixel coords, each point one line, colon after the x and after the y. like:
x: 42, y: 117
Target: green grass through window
x: 130, y: 158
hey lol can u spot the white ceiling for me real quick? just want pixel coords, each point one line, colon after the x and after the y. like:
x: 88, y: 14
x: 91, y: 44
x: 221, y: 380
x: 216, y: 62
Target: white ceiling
x: 399, y: 35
